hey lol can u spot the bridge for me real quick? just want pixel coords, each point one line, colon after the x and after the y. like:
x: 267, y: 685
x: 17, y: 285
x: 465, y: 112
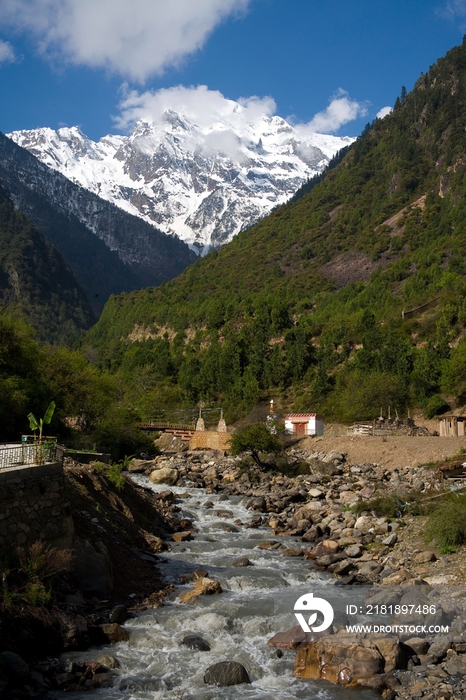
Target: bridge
x: 185, y: 431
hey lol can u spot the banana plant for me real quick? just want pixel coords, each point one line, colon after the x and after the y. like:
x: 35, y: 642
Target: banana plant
x: 35, y: 424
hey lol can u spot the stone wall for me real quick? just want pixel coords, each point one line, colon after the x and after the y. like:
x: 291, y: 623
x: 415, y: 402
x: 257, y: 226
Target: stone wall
x: 209, y: 440
x: 33, y: 506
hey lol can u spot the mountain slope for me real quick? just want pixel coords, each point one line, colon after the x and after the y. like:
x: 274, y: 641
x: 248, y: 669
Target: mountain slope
x: 36, y: 281
x: 348, y: 299
x: 201, y: 183
x: 108, y: 250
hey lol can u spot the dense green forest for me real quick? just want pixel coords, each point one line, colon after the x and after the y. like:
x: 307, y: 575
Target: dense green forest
x: 307, y: 305
x: 89, y: 411
x: 347, y: 299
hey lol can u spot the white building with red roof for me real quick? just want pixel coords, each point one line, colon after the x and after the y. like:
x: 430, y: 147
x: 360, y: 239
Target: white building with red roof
x: 304, y: 424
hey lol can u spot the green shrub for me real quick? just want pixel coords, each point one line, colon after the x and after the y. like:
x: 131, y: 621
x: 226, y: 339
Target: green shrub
x: 112, y: 472
x: 35, y: 593
x: 446, y: 524
x: 435, y: 406
x: 382, y: 506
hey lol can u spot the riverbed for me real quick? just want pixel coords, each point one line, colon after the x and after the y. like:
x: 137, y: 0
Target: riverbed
x: 257, y: 601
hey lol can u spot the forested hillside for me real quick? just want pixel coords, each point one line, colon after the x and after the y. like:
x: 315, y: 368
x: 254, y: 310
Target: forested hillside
x: 308, y: 303
x: 36, y: 282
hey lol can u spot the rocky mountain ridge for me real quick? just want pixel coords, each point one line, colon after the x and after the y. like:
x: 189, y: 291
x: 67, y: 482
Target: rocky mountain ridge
x: 109, y: 250
x: 202, y: 184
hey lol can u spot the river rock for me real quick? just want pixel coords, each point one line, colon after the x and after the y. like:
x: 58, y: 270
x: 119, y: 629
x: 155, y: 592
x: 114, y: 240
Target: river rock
x: 226, y: 673
x: 226, y: 527
x: 257, y: 504
x: 424, y: 557
x: 392, y: 651
x: 364, y: 523
x: 293, y: 552
x: 292, y: 638
x: 339, y: 659
x: 108, y: 661
x: 167, y: 496
x: 354, y: 550
x: 455, y: 665
x: 195, y: 642
x: 391, y: 540
x: 242, y: 561
x: 137, y: 466
x: 440, y: 646
x: 204, y: 586
x: 184, y: 536
x: 325, y: 547
x: 200, y: 572
x: 383, y: 683
x: 165, y: 475
x: 343, y: 567
x: 312, y: 534
x: 119, y: 614
x: 114, y: 633
x: 417, y: 645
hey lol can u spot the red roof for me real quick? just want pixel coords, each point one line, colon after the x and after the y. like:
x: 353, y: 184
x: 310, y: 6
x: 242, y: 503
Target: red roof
x: 292, y: 416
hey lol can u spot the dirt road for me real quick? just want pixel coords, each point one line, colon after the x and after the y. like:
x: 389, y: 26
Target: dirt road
x: 391, y: 451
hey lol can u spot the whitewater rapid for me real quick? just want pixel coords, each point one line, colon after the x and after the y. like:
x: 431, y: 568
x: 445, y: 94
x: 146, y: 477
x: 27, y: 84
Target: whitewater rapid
x: 257, y: 601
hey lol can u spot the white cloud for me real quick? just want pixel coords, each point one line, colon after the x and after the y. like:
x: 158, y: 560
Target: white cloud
x: 136, y: 38
x: 383, y: 112
x: 340, y: 111
x: 221, y: 124
x: 7, y: 54
x: 200, y: 105
x: 453, y: 8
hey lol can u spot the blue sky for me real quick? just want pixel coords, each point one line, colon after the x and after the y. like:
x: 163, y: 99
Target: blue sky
x: 100, y: 64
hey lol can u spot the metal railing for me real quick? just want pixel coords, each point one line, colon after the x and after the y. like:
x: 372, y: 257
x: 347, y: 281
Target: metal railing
x: 27, y: 453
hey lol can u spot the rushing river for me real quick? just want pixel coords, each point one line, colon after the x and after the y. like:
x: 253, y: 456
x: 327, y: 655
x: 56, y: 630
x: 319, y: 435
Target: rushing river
x: 257, y: 601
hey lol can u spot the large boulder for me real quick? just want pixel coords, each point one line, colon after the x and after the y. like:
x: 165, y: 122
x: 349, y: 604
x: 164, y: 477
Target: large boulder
x: 114, y: 633
x: 339, y: 659
x: 164, y: 475
x: 226, y: 673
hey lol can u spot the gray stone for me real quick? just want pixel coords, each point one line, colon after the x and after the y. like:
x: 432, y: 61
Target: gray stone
x: 343, y: 567
x: 226, y: 673
x: 119, y: 614
x: 456, y: 665
x: 242, y: 561
x: 165, y: 475
x: 15, y: 665
x: 195, y: 642
x: 354, y: 550
x: 108, y: 661
x: 440, y: 646
x: 418, y: 645
x: 391, y: 540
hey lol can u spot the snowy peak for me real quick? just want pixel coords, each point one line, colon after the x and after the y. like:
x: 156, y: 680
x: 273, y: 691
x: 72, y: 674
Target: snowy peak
x: 201, y: 182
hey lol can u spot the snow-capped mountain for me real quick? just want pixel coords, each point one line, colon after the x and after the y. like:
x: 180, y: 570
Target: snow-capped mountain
x: 202, y: 184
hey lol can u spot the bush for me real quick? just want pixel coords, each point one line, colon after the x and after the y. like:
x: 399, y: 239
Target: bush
x: 446, y: 525
x: 112, y: 472
x: 382, y: 506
